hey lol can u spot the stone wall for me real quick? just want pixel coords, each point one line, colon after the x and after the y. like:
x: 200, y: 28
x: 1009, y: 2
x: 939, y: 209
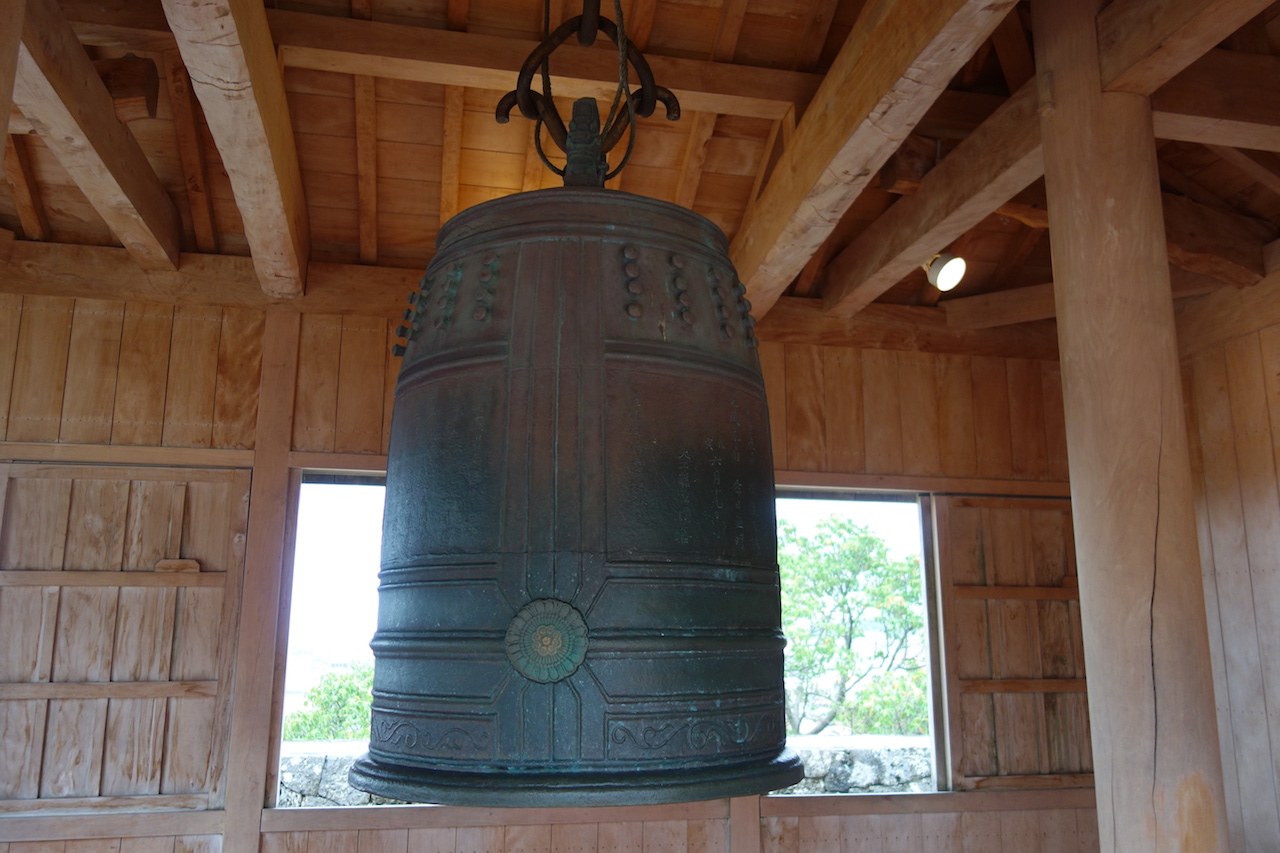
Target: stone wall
x: 315, y: 774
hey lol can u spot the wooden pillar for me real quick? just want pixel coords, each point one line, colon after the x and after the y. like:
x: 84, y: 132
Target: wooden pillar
x: 1155, y: 739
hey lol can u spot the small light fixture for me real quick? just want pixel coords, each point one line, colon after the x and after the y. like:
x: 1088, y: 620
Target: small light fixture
x: 944, y: 270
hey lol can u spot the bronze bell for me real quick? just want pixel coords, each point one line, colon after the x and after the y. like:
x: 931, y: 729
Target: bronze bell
x: 579, y: 596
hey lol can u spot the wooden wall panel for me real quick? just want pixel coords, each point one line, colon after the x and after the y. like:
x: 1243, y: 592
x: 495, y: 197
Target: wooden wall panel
x: 844, y: 410
x: 1021, y: 831
x: 94, y: 371
x: 1234, y: 424
x: 115, y: 696
x: 1014, y: 682
x: 346, y: 381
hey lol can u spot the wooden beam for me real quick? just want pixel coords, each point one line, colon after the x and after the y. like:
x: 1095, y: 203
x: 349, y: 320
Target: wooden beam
x: 973, y: 180
x: 1151, y: 707
x: 99, y: 272
x: 12, y: 13
x: 732, y: 13
x: 896, y: 61
x: 250, y: 724
x: 1028, y: 304
x: 1013, y: 51
x: 809, y: 47
x: 195, y: 173
x: 401, y: 52
x: 902, y: 327
x: 1223, y: 98
x: 367, y: 166
x: 1144, y: 43
x: 996, y: 162
x: 701, y: 127
x: 451, y: 152
x: 60, y: 92
x: 1271, y: 257
x: 227, y: 48
x: 1225, y: 315
x: 1261, y: 166
x: 22, y: 186
x: 1215, y: 242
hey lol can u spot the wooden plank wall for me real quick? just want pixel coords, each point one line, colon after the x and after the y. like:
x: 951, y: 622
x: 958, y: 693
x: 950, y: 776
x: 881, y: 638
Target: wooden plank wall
x: 1233, y: 413
x: 103, y: 372
x: 115, y: 386
x: 119, y: 591
x: 1014, y: 649
x: 845, y: 410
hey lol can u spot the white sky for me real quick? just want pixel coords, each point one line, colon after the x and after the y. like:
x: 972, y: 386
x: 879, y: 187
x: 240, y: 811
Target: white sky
x: 335, y: 575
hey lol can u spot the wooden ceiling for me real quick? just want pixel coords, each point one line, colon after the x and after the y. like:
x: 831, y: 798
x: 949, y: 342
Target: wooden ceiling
x: 838, y: 143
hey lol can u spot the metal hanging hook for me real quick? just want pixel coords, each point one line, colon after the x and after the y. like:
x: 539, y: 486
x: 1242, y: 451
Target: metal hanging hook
x: 604, y: 136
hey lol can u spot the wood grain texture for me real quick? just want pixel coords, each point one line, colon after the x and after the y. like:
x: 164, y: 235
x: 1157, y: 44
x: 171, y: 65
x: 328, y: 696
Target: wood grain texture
x: 1136, y: 426
x: 59, y: 90
x: 876, y: 91
x: 39, y: 371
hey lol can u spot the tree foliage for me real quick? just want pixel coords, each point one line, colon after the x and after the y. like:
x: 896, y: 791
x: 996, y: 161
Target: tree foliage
x: 854, y: 621
x: 337, y: 708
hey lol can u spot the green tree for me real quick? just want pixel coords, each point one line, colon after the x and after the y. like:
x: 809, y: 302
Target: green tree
x: 855, y: 632
x: 337, y: 708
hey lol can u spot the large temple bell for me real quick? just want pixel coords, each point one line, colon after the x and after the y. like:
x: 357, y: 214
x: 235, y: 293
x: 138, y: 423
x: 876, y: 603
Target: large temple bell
x: 579, y: 590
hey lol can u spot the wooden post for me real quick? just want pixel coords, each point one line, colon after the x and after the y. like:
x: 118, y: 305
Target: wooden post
x: 251, y: 717
x: 1155, y: 738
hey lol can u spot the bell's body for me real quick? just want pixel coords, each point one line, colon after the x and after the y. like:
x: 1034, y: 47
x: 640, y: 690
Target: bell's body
x: 579, y: 592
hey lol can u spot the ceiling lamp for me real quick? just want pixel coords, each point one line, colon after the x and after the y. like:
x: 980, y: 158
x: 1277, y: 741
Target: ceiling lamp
x: 945, y: 270
x: 579, y: 600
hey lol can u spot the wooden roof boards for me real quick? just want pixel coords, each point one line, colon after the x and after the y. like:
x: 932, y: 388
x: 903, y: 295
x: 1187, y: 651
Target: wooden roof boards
x: 388, y: 114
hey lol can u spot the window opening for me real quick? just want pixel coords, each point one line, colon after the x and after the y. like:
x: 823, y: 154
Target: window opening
x: 332, y: 616
x: 859, y: 698
x: 858, y: 657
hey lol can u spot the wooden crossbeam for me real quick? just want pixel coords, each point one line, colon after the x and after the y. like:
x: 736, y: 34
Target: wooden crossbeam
x: 1142, y: 44
x: 22, y: 186
x: 973, y: 181
x: 992, y: 165
x: 228, y: 51
x: 1028, y: 304
x: 195, y: 174
x: 1206, y: 240
x: 59, y: 91
x: 695, y: 154
x: 1223, y: 98
x: 472, y: 60
x: 1262, y: 166
x: 895, y: 63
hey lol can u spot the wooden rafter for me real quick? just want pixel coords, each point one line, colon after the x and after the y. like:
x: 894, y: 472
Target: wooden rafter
x: 999, y: 158
x: 822, y: 14
x: 695, y: 154
x: 1143, y: 44
x: 1261, y: 166
x: 1215, y: 242
x: 26, y: 195
x: 1028, y: 304
x: 894, y: 64
x: 195, y: 173
x: 227, y: 48
x: 1223, y: 98
x: 1013, y: 51
x: 478, y: 61
x: 988, y: 168
x: 59, y: 91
